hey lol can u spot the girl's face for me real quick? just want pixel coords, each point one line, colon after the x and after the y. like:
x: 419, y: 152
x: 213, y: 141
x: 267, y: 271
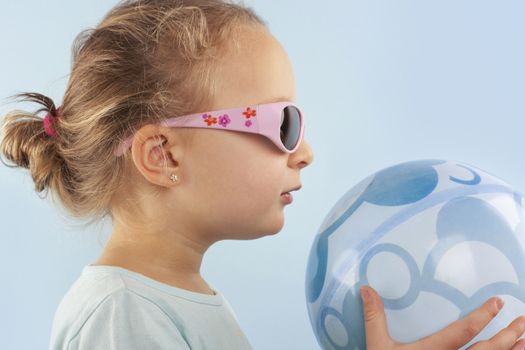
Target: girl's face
x: 233, y: 181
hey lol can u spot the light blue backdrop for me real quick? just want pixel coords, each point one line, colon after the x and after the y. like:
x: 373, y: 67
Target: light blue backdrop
x: 381, y: 82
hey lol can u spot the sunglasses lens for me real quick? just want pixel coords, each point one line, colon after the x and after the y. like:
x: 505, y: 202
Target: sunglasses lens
x: 290, y: 126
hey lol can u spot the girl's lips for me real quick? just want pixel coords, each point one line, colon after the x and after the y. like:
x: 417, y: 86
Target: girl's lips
x: 287, y: 198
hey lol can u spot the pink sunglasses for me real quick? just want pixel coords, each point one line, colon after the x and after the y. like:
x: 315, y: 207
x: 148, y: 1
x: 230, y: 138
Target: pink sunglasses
x: 281, y: 122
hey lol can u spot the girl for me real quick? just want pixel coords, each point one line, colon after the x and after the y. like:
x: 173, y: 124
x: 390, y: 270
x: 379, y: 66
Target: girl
x: 179, y: 123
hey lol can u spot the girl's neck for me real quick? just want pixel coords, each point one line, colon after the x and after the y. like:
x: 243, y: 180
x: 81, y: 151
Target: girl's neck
x: 171, y: 261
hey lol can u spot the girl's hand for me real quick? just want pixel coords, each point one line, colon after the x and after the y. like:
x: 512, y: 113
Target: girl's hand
x: 452, y: 337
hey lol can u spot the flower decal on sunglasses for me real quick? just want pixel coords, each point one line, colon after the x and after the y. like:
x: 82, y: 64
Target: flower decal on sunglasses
x: 224, y: 120
x: 249, y: 113
x: 209, y: 119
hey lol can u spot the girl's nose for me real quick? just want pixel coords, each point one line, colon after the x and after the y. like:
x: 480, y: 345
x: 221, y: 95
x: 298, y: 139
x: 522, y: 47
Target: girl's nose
x: 303, y: 156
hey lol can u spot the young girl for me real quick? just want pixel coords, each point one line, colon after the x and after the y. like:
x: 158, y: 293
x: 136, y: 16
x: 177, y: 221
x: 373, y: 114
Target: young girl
x: 178, y: 122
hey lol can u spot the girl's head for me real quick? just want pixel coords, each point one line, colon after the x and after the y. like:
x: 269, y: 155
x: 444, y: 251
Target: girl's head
x: 146, y: 61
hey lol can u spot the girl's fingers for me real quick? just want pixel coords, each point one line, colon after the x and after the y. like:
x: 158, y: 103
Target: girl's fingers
x: 376, y: 329
x: 460, y: 332
x: 454, y: 336
x: 504, y: 339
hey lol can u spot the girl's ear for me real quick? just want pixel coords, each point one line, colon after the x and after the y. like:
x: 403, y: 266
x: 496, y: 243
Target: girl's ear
x: 156, y: 154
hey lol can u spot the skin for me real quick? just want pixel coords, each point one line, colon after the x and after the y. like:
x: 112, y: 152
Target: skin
x: 229, y: 187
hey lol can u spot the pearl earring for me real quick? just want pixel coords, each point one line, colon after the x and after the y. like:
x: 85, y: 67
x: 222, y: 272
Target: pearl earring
x: 173, y: 177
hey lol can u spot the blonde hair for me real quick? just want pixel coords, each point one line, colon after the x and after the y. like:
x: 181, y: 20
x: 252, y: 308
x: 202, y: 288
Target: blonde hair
x: 146, y: 60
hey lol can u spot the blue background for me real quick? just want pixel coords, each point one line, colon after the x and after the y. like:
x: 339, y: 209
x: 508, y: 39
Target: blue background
x: 380, y: 82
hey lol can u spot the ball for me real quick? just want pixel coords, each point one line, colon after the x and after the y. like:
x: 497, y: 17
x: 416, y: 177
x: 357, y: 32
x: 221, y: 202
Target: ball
x: 435, y: 238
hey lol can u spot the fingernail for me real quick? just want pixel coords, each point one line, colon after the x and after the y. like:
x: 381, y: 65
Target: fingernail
x: 365, y: 294
x: 499, y: 303
x: 522, y: 323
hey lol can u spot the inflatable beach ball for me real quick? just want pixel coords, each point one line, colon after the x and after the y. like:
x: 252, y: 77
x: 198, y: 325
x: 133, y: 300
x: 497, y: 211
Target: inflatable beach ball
x: 435, y: 238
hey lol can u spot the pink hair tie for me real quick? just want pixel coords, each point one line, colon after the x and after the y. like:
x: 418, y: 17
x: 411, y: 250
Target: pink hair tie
x: 48, y: 122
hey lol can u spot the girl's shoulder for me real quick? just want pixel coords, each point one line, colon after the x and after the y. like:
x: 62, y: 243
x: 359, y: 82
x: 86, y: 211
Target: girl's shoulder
x: 132, y: 302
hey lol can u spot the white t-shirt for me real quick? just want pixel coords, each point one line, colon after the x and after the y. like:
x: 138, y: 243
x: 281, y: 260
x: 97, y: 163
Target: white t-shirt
x: 112, y: 308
